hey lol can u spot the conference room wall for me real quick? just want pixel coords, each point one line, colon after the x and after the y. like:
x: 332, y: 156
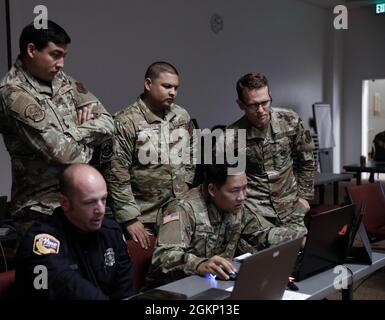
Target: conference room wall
x: 114, y: 41
x: 5, y: 165
x: 3, y: 40
x: 364, y: 59
x: 376, y: 121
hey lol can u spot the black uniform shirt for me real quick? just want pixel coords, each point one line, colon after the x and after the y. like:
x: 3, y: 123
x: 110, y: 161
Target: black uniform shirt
x: 58, y: 261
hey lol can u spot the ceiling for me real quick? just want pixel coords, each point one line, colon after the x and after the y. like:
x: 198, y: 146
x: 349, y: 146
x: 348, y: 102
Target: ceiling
x: 348, y: 3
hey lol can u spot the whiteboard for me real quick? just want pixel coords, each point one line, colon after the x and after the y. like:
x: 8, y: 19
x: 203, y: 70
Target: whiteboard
x: 324, y: 126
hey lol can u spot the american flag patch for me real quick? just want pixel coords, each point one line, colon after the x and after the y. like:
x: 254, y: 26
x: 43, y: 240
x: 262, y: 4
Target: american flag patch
x: 171, y: 217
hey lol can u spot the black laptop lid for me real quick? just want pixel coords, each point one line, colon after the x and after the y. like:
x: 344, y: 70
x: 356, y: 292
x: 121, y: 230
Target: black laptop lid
x: 327, y: 241
x: 361, y: 254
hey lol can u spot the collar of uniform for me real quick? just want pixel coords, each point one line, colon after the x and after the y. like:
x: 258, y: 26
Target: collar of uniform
x: 252, y: 132
x: 213, y: 211
x: 58, y: 81
x: 36, y: 84
x: 69, y: 228
x: 274, y: 123
x: 215, y: 214
x: 150, y: 116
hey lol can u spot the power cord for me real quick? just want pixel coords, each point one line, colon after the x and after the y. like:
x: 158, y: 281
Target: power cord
x: 363, y: 281
x: 351, y: 276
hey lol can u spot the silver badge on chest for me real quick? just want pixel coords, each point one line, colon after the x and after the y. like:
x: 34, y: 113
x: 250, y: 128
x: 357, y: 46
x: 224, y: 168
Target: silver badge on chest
x: 109, y: 257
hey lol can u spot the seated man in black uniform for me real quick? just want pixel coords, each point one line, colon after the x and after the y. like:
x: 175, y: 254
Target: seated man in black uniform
x: 76, y: 253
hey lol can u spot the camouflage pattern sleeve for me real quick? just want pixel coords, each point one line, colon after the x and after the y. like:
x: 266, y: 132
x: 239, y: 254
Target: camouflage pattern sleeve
x: 96, y: 130
x: 259, y: 234
x: 35, y: 128
x: 176, y: 229
x: 190, y: 168
x: 118, y: 173
x: 305, y: 176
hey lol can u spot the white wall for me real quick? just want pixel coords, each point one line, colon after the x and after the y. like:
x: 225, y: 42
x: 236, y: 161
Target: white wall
x: 3, y: 39
x: 114, y: 41
x: 364, y: 59
x: 376, y: 123
x: 112, y: 46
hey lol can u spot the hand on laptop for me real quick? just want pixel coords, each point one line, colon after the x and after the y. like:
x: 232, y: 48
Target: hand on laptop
x: 216, y: 265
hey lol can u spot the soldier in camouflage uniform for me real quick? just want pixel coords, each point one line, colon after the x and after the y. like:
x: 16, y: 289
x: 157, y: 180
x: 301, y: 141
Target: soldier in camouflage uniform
x: 47, y: 120
x: 138, y: 187
x: 202, y: 231
x: 272, y: 137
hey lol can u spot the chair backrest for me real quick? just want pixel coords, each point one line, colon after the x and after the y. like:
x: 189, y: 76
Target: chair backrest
x: 141, y: 260
x: 7, y: 280
x: 379, y: 147
x: 372, y: 194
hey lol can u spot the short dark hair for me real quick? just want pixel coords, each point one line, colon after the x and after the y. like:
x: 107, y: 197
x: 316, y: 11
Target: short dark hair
x: 251, y: 81
x: 156, y: 68
x: 41, y: 37
x: 217, y: 173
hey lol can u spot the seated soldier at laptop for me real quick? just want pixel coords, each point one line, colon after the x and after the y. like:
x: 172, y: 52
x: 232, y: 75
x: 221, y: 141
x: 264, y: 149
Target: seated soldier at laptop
x: 201, y: 232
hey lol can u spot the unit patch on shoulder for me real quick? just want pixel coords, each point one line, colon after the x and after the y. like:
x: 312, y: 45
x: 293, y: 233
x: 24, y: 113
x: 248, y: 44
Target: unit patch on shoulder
x: 80, y: 88
x: 45, y: 244
x: 34, y: 112
x: 106, y: 151
x: 173, y: 216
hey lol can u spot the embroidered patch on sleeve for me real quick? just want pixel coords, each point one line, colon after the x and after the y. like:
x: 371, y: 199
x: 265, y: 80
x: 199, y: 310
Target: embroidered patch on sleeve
x: 45, y: 244
x: 35, y: 113
x: 80, y: 88
x: 173, y: 216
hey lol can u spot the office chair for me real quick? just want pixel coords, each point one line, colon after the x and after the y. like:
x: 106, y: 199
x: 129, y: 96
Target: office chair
x: 372, y: 194
x: 7, y: 280
x: 141, y: 260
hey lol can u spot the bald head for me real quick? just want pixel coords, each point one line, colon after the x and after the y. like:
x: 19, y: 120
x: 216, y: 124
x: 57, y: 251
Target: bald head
x: 76, y: 175
x: 83, y: 196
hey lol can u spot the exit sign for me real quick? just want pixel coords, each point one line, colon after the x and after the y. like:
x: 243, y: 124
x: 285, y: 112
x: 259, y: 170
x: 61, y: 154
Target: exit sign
x: 380, y: 8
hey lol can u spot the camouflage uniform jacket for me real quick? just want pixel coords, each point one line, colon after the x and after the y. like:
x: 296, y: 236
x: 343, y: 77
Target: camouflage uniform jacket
x: 138, y: 189
x: 40, y: 130
x: 193, y: 229
x: 273, y: 187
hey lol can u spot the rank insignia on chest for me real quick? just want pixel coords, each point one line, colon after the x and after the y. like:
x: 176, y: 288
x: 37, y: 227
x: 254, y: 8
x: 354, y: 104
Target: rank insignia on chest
x: 109, y: 257
x: 45, y: 244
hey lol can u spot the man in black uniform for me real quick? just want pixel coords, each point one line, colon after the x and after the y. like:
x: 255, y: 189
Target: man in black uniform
x: 77, y: 254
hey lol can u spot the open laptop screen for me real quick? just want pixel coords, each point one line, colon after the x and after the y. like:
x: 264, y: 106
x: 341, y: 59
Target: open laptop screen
x: 326, y: 242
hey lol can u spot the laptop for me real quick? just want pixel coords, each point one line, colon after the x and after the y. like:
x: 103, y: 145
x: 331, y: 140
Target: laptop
x: 261, y: 276
x: 327, y: 242
x: 362, y: 253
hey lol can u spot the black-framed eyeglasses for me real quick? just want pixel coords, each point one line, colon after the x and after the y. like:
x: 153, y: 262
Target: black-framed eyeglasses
x: 256, y: 105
